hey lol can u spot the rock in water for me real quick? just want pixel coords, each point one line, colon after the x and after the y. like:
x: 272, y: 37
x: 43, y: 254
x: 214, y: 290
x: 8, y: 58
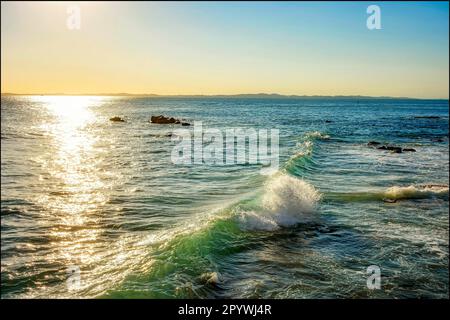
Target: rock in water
x: 409, y: 150
x: 162, y: 120
x: 117, y: 119
x: 166, y: 120
x: 427, y: 117
x: 394, y: 149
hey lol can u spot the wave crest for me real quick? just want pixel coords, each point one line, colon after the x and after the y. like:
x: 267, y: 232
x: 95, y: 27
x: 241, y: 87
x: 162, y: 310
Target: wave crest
x: 417, y: 192
x: 394, y: 193
x: 316, y: 135
x: 286, y: 201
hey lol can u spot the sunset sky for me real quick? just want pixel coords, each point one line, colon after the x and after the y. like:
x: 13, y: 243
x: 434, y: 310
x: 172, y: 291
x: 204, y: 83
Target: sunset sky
x: 226, y: 48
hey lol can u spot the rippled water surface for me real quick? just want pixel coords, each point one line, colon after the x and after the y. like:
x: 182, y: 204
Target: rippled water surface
x: 80, y: 192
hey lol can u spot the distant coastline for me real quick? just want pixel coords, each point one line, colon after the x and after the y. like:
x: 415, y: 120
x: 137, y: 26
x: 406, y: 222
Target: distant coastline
x: 224, y: 96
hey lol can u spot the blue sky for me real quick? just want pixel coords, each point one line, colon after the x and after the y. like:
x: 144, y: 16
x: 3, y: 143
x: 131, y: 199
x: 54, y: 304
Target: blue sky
x: 226, y: 48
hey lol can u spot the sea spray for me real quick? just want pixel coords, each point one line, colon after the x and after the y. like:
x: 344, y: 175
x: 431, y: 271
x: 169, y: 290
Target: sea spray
x: 286, y: 201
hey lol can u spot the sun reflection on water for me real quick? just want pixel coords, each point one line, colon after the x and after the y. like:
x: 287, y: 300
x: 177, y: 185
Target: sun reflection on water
x: 82, y: 167
x: 74, y: 200
x: 72, y: 160
x: 78, y: 183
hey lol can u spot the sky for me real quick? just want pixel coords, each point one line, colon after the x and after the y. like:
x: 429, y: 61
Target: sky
x: 320, y: 48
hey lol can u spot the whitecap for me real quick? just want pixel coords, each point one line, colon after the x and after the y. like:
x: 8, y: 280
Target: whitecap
x: 286, y: 201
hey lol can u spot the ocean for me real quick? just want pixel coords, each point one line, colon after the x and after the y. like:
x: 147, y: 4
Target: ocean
x: 92, y: 208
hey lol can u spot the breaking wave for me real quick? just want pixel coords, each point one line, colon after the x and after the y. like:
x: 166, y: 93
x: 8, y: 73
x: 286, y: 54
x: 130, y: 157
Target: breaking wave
x: 417, y: 192
x: 302, y: 157
x: 317, y: 135
x: 286, y: 201
x: 421, y: 191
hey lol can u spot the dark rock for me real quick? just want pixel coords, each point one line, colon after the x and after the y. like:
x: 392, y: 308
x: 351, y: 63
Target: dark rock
x: 328, y: 121
x: 162, y: 120
x: 117, y: 119
x: 394, y: 149
x: 409, y: 150
x: 166, y: 120
x: 391, y: 148
x: 426, y: 117
x: 373, y: 143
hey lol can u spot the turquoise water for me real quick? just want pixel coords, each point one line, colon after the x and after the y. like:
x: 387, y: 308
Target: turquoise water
x: 78, y: 190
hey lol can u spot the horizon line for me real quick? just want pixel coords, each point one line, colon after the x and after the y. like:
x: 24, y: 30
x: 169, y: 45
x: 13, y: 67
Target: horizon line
x: 241, y: 95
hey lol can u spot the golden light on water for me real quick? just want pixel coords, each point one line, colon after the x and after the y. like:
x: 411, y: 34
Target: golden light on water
x: 73, y: 157
x: 73, y: 202
x: 77, y: 181
x: 70, y: 109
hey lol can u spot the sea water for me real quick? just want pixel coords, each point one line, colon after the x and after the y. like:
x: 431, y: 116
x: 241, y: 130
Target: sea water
x: 95, y: 208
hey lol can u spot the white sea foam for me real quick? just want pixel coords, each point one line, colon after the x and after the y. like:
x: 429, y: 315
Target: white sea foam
x: 286, y: 201
x: 417, y: 192
x: 251, y: 220
x: 213, y: 278
x: 305, y: 148
x: 317, y: 135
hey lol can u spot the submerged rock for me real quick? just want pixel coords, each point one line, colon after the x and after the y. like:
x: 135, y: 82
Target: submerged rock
x: 427, y: 117
x: 117, y: 119
x: 391, y: 148
x: 394, y: 149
